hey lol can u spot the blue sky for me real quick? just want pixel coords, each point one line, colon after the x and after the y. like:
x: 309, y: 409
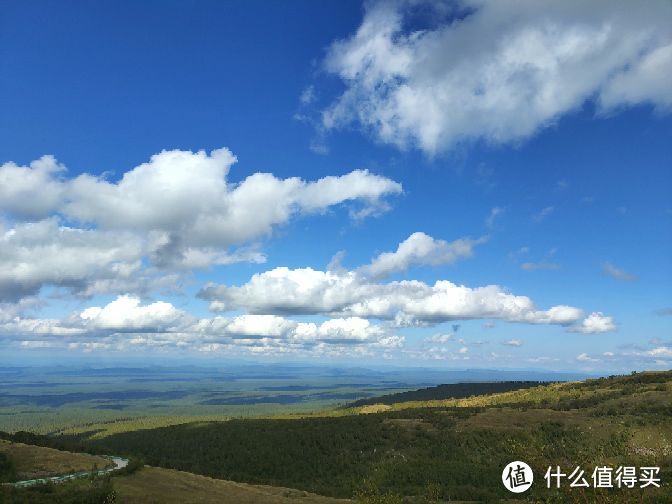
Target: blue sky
x: 403, y: 144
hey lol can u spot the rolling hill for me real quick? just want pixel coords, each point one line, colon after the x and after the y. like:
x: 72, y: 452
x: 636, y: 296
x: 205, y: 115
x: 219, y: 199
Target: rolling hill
x: 448, y: 391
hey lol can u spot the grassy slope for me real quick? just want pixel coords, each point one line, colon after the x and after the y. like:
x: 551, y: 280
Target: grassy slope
x: 37, y: 462
x: 447, y: 391
x: 456, y: 447
x: 147, y: 486
x: 166, y: 486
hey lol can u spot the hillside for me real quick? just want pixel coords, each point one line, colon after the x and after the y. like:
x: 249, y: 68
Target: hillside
x: 153, y: 485
x: 147, y: 486
x: 30, y: 462
x: 447, y: 391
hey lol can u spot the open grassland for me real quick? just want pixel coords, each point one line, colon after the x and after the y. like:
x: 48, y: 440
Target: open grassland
x: 30, y: 462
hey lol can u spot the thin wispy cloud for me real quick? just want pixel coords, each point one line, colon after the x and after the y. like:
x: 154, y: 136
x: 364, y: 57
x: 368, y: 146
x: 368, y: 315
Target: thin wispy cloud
x: 617, y: 273
x: 532, y: 266
x: 543, y: 213
x: 494, y: 213
x: 308, y: 95
x: 513, y: 343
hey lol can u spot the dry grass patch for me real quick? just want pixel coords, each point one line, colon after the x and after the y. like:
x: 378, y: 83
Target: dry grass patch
x: 37, y: 462
x: 154, y: 485
x: 375, y: 408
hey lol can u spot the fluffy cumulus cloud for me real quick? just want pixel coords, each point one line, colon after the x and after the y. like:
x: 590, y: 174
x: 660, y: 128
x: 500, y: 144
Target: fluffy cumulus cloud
x: 433, y: 74
x: 407, y: 302
x: 178, y: 211
x: 292, y: 335
x: 126, y: 314
x: 86, y: 261
x: 419, y: 249
x: 127, y: 323
x: 596, y: 322
x: 584, y: 357
x: 185, y: 195
x: 19, y: 186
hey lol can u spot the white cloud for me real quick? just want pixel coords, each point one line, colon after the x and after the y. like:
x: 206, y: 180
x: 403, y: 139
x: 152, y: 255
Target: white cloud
x: 126, y: 314
x: 617, y: 273
x: 283, y: 290
x: 543, y: 213
x: 85, y: 261
x: 513, y: 342
x: 307, y: 95
x: 497, y: 71
x: 12, y: 310
x: 542, y: 359
x: 42, y: 327
x: 89, y: 346
x: 187, y: 195
x: 348, y: 329
x: 494, y: 213
x: 420, y: 249
x: 534, y: 266
x: 439, y: 338
x: 125, y: 323
x: 660, y: 352
x: 37, y: 344
x: 647, y: 81
x: 596, y: 322
x: 31, y: 192
x: 584, y: 357
x: 176, y: 212
x: 308, y: 291
x: 438, y: 353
